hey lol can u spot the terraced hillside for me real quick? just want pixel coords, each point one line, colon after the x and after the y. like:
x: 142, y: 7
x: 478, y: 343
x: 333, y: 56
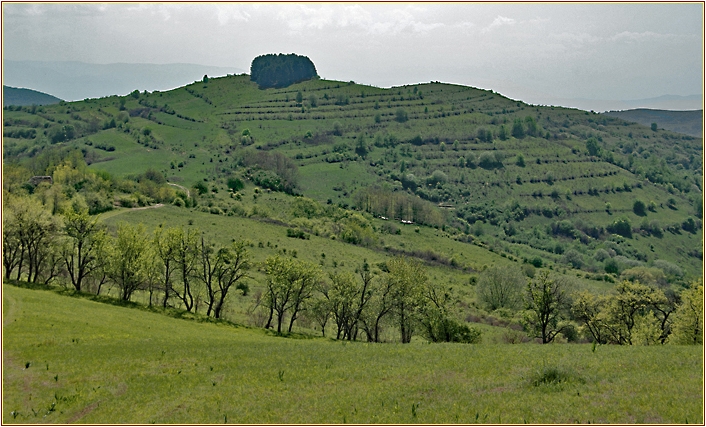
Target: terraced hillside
x: 545, y: 185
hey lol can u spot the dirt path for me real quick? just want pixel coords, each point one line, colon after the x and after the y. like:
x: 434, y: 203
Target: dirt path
x: 114, y: 212
x: 188, y: 194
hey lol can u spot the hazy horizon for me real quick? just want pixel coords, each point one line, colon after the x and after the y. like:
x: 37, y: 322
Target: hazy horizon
x: 546, y: 54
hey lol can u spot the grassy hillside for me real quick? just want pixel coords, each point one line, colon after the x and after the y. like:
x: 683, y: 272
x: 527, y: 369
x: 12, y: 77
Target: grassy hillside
x: 71, y: 360
x: 686, y: 122
x: 548, y: 184
x: 16, y: 96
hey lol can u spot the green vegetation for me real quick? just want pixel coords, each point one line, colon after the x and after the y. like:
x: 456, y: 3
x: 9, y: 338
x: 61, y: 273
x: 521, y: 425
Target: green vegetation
x: 70, y: 360
x: 277, y: 71
x: 334, y: 211
x: 26, y: 97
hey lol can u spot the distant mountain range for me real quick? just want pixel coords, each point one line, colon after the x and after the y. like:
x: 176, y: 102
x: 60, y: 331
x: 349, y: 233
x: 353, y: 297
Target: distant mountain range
x: 664, y: 102
x: 686, y: 122
x: 19, y: 96
x: 73, y: 81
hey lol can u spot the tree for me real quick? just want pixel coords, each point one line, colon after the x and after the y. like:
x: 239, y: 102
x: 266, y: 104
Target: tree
x: 626, y: 309
x: 546, y: 302
x: 532, y: 128
x: 186, y: 254
x: 436, y: 318
x: 501, y: 287
x: 688, y: 325
x: 520, y: 160
x: 128, y: 256
x: 588, y: 309
x: 639, y: 208
x: 232, y: 269
x: 165, y: 245
x: 592, y: 146
x: 653, y: 126
x: 290, y: 283
x: 28, y: 233
x: 300, y: 97
x: 82, y: 254
x: 408, y: 280
x: 518, y: 130
x: 401, y: 115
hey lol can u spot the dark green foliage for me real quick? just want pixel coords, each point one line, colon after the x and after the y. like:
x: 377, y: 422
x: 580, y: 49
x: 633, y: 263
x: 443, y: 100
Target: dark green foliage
x: 272, y: 170
x: 611, y: 266
x: 518, y: 130
x: 621, y: 226
x: 639, y: 208
x: 401, y: 115
x: 201, y: 188
x: 235, y: 184
x: 592, y: 146
x: 281, y: 70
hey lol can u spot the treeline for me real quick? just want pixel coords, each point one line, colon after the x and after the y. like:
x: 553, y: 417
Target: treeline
x: 634, y: 313
x: 75, y: 186
x: 178, y: 267
x: 281, y: 70
x: 397, y: 205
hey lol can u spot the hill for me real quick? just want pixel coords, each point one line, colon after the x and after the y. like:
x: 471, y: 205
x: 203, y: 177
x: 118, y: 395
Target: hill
x: 73, y: 360
x: 17, y: 96
x: 548, y: 184
x: 72, y: 80
x: 686, y: 122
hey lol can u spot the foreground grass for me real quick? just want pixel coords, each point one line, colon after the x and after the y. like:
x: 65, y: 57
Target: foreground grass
x: 69, y: 360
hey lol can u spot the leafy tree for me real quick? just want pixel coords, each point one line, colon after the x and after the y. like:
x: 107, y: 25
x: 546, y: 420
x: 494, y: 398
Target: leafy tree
x: 653, y: 126
x: 592, y: 146
x: 628, y: 308
x: 532, y: 128
x: 82, y: 254
x: 518, y: 130
x: 401, y: 115
x: 502, y: 133
x: 622, y: 227
x: 407, y: 279
x: 221, y: 269
x: 688, y: 325
x: 639, y: 208
x: 300, y: 97
x: 128, y: 256
x: 500, y: 287
x: 546, y: 302
x: 235, y: 184
x: 186, y: 254
x: 588, y: 309
x: 290, y: 283
x: 520, y: 160
x: 28, y: 234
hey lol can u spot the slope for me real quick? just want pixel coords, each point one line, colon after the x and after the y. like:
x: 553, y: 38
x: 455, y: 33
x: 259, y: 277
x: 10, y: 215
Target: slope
x: 547, y: 185
x: 17, y: 96
x: 69, y: 360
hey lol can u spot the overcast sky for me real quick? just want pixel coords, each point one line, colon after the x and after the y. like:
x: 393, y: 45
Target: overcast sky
x: 533, y: 52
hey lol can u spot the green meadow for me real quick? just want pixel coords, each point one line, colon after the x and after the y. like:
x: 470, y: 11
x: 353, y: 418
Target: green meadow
x: 73, y: 360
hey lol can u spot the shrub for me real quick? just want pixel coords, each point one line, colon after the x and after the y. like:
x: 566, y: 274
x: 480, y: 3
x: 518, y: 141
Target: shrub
x: 621, y: 227
x: 639, y: 208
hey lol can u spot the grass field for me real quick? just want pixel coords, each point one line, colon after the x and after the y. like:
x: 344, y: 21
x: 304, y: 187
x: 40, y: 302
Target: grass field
x: 71, y: 360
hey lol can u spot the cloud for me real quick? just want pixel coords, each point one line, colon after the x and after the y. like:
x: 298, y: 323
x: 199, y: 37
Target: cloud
x: 372, y: 20
x: 225, y: 13
x: 498, y: 22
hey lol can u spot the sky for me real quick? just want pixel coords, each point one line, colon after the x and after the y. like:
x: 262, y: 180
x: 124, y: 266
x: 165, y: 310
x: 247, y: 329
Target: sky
x: 540, y: 53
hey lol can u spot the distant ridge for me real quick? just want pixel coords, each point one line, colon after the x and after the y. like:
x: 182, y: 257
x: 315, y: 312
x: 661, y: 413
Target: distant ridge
x: 73, y: 81
x: 686, y: 122
x: 20, y: 96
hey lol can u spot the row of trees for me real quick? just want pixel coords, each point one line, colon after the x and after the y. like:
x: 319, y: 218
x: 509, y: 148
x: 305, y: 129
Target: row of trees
x: 363, y: 302
x: 177, y: 266
x: 77, y: 249
x: 634, y: 314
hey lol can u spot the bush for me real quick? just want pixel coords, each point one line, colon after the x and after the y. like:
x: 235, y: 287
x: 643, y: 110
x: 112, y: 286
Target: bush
x: 401, y: 115
x: 639, y: 208
x: 621, y: 227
